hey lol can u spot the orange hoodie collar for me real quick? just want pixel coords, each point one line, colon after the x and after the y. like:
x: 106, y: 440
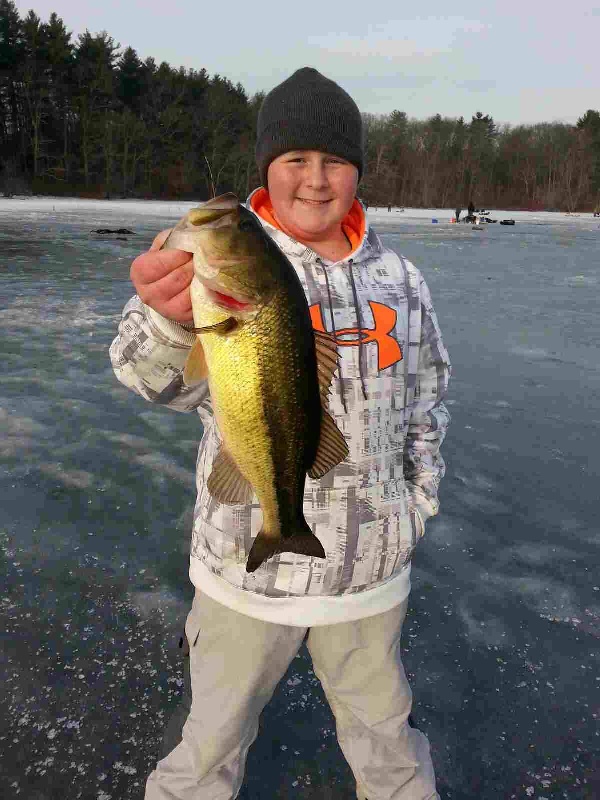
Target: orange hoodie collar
x: 353, y: 224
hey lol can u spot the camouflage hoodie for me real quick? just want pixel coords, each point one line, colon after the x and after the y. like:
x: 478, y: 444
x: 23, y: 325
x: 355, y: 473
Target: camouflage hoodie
x: 386, y: 398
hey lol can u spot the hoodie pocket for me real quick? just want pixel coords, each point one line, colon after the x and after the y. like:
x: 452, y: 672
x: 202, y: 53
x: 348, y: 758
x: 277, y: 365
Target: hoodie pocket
x: 418, y: 525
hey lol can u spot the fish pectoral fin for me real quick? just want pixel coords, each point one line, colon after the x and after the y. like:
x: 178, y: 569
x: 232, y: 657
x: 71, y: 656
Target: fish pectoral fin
x: 332, y: 447
x: 226, y: 483
x: 327, y: 362
x: 195, y: 369
x: 224, y: 326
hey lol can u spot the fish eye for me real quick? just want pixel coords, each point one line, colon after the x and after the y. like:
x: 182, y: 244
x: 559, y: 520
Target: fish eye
x: 246, y: 225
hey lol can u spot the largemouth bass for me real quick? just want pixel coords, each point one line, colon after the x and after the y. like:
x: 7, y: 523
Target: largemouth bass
x: 269, y: 373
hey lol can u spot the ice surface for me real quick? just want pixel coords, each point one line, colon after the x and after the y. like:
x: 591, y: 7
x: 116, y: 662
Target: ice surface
x: 97, y: 488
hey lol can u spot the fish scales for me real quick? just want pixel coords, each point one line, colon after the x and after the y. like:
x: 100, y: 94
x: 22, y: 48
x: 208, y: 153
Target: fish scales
x: 263, y: 405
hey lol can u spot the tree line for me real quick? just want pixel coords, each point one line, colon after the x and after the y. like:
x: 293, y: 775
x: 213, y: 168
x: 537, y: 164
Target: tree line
x: 90, y: 118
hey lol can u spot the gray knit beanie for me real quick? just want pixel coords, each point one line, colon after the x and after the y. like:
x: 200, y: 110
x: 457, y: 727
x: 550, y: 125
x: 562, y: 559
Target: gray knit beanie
x: 308, y: 112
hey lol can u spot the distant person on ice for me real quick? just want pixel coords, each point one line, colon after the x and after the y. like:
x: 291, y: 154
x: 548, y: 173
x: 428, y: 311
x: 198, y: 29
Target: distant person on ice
x: 471, y: 209
x: 369, y: 512
x: 457, y: 213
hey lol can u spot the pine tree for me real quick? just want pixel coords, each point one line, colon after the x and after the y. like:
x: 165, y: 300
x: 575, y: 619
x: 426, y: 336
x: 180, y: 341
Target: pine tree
x: 12, y: 132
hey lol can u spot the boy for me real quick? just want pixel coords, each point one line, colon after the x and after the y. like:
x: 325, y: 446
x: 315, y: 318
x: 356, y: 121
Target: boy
x: 368, y: 512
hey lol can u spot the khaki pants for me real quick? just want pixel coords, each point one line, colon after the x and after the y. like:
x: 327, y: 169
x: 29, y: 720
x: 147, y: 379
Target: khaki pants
x: 236, y: 663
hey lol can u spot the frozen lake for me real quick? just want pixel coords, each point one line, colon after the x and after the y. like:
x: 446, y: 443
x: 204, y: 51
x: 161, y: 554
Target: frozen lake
x: 97, y: 488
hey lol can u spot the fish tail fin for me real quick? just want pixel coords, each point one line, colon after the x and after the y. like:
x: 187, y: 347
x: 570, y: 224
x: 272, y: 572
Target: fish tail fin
x: 302, y: 541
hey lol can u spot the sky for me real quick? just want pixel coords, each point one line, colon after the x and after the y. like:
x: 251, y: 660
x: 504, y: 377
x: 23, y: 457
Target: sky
x: 521, y: 62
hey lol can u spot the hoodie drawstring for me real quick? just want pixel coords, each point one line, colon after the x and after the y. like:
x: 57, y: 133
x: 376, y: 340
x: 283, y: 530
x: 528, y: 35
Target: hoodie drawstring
x: 360, y: 328
x: 334, y: 332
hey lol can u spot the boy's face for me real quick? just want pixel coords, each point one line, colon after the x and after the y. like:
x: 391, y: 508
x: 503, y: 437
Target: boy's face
x: 311, y: 193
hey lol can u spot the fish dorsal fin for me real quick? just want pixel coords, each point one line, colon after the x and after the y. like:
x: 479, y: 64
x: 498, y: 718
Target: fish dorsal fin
x: 332, y: 447
x: 326, y: 350
x: 195, y: 369
x: 226, y: 483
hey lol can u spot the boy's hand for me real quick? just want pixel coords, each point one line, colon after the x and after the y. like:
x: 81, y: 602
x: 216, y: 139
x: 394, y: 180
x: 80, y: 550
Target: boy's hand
x: 162, y: 280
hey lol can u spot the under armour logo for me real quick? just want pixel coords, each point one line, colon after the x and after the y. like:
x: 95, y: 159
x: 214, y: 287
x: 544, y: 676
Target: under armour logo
x: 389, y: 351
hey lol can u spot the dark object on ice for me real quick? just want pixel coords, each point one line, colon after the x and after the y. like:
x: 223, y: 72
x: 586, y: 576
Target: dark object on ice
x: 471, y: 208
x: 489, y: 219
x: 173, y: 732
x: 457, y: 214
x: 507, y: 222
x: 116, y: 230
x: 477, y: 228
x: 470, y: 218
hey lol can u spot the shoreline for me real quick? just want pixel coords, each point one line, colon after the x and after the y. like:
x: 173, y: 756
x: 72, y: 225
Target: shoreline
x: 51, y: 204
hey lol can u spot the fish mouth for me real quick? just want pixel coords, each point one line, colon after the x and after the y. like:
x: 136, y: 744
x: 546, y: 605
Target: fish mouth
x: 215, y: 213
x: 227, y: 201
